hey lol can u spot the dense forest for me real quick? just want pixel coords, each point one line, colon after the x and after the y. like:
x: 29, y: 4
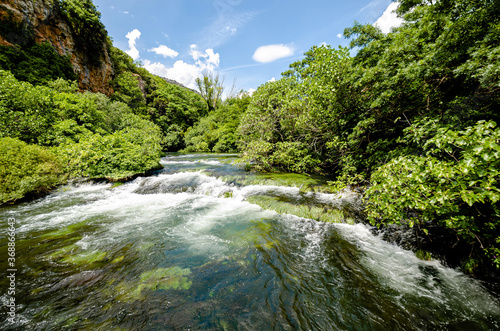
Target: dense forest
x: 410, y: 116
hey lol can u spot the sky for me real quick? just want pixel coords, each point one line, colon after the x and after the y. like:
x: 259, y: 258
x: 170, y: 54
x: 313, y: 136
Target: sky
x: 248, y: 42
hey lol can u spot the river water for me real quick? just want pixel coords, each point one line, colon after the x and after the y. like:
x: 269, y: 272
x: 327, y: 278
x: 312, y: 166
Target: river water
x: 186, y: 249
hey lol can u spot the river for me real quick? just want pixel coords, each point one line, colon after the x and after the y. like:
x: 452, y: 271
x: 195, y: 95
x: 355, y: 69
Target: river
x: 190, y: 248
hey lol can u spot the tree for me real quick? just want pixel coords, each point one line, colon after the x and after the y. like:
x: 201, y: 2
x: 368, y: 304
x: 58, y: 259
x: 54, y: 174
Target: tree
x: 210, y: 87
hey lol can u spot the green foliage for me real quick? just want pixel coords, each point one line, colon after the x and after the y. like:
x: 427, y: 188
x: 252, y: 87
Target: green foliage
x: 122, y: 62
x: 63, y: 86
x: 302, y: 112
x: 26, y: 112
x: 91, y: 135
x: 26, y: 169
x: 456, y: 184
x: 87, y: 27
x: 128, y: 91
x: 210, y: 87
x: 36, y: 63
x: 175, y: 109
x: 216, y: 132
x: 122, y: 154
x: 413, y: 113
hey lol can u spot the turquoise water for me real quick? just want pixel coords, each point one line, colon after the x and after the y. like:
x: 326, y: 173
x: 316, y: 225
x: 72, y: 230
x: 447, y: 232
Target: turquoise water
x: 184, y: 249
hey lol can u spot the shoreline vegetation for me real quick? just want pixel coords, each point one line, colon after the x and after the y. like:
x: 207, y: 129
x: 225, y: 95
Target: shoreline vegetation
x: 410, y: 120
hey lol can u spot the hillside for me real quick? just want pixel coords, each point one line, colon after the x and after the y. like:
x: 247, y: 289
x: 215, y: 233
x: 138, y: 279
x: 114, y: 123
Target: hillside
x: 72, y: 105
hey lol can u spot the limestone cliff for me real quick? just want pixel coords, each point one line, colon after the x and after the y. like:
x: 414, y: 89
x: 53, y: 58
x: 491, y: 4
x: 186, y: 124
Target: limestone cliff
x: 43, y: 21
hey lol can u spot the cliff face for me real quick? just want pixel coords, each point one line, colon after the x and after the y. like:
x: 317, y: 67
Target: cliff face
x: 42, y: 21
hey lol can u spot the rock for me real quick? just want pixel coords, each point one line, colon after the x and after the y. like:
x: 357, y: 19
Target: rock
x: 87, y: 278
x: 42, y: 21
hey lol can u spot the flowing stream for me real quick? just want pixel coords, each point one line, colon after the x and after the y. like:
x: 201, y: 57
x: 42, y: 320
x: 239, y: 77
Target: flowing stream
x: 189, y: 248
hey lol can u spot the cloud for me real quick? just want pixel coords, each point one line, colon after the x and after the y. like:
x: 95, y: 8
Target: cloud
x: 164, y: 51
x: 224, y: 28
x: 132, y: 37
x: 209, y: 57
x: 339, y: 35
x: 270, y: 53
x: 186, y: 73
x: 389, y: 19
x: 271, y: 80
x: 373, y: 6
x: 251, y: 91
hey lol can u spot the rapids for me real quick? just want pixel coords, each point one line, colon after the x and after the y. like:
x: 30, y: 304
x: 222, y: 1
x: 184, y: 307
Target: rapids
x: 187, y: 248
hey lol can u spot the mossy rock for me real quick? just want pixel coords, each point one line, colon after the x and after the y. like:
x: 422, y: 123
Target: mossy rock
x: 61, y: 252
x: 118, y: 259
x: 173, y: 278
x: 65, y: 231
x: 323, y: 214
x: 85, y: 258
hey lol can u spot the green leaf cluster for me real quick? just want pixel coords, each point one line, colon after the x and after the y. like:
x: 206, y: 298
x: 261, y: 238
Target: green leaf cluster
x: 26, y: 169
x: 300, y: 117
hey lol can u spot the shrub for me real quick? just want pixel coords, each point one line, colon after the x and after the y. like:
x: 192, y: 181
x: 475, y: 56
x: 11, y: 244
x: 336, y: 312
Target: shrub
x: 26, y: 169
x: 456, y: 184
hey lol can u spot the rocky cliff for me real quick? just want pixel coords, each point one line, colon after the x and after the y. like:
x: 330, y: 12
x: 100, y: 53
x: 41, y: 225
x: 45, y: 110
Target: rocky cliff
x: 43, y: 21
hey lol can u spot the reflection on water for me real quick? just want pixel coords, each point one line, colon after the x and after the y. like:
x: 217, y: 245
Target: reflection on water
x: 186, y: 249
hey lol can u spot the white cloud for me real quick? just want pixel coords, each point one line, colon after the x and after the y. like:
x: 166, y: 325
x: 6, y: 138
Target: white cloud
x: 272, y: 80
x: 223, y: 28
x: 186, y: 73
x: 339, y: 35
x: 132, y: 37
x: 251, y: 91
x: 270, y: 53
x: 389, y: 19
x: 164, y: 51
x: 232, y: 30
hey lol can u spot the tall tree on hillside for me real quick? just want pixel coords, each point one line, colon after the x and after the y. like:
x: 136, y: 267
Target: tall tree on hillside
x: 210, y: 87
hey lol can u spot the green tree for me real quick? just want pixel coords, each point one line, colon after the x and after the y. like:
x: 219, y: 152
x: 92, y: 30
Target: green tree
x: 211, y: 87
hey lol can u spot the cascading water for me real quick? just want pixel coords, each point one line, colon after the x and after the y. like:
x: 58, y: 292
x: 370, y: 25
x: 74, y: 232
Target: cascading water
x: 184, y: 249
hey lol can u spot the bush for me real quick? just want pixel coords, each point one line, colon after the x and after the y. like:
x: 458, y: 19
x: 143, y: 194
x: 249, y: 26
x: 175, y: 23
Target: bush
x: 26, y: 169
x: 134, y: 149
x: 456, y: 185
x: 26, y: 111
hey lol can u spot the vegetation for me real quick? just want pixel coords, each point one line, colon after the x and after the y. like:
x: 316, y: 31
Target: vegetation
x: 211, y: 87
x: 86, y: 133
x: 26, y: 169
x: 36, y: 63
x: 216, y: 132
x: 86, y: 25
x: 412, y: 116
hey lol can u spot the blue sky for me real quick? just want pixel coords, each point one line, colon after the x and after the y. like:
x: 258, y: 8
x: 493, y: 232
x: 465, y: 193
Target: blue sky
x: 250, y: 41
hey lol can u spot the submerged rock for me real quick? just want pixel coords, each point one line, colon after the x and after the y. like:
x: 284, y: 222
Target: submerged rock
x: 87, y: 278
